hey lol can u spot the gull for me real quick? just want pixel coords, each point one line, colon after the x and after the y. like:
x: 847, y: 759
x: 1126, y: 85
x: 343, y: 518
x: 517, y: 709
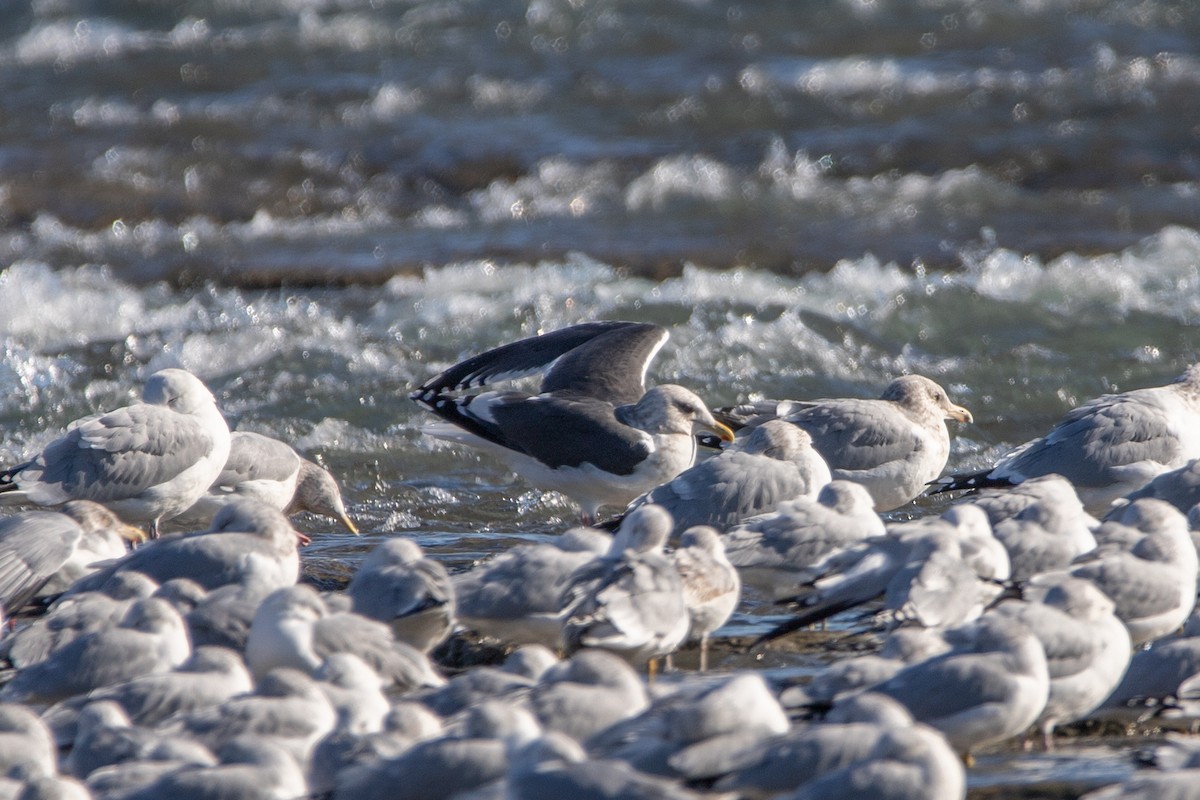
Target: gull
x: 592, y: 432
x: 774, y: 463
x: 1087, y: 648
x: 151, y: 638
x: 27, y: 749
x: 1179, y: 487
x: 287, y: 708
x: 145, y: 462
x: 901, y: 647
x: 515, y: 597
x: 41, y: 547
x: 448, y: 766
x: 106, y: 736
x: 519, y: 673
x: 398, y: 586
x: 247, y: 539
x: 209, y: 676
x: 249, y: 767
x: 586, y: 694
x: 1146, y: 564
x: 1107, y: 447
x: 273, y: 473
x: 684, y: 733
x: 993, y: 685
x: 913, y: 763
x: 293, y: 627
x: 1041, y: 523
x: 72, y: 617
x: 894, y: 446
x: 711, y: 586
x: 1156, y: 676
x: 355, y: 691
x: 848, y: 735
x: 786, y: 548
x: 630, y: 601
x: 932, y: 571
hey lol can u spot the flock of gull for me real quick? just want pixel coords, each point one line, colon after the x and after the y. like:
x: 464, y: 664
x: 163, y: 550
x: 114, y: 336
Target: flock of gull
x: 161, y: 644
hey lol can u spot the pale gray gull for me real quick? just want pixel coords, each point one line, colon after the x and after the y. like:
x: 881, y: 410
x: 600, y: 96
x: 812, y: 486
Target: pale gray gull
x: 1146, y: 564
x: 1179, y: 487
x: 152, y: 637
x: 992, y: 686
x: 448, y: 766
x: 894, y: 446
x: 294, y: 628
x: 1179, y: 784
x: 401, y: 587
x: 587, y: 693
x: 355, y: 691
x: 514, y: 678
x: 146, y: 462
x: 27, y: 749
x: 1087, y: 648
x: 712, y: 588
x: 273, y: 473
x: 913, y: 763
x: 287, y: 707
x: 247, y: 540
x: 209, y: 676
x: 782, y: 763
x: 1108, y: 446
x: 1156, y: 676
x: 933, y: 571
x: 74, y: 616
x: 592, y: 432
x: 1048, y: 531
x: 106, y: 736
x: 630, y: 601
x: 686, y: 731
x: 773, y: 463
x: 516, y: 596
x: 250, y: 768
x: 784, y: 549
x: 40, y: 547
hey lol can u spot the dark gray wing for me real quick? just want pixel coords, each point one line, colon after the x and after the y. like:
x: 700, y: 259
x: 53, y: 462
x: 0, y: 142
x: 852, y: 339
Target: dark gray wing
x: 600, y: 359
x: 122, y: 453
x: 855, y: 434
x: 33, y: 546
x: 556, y: 430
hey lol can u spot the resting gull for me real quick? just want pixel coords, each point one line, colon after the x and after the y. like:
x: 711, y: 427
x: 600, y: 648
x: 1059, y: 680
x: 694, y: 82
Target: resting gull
x: 38, y: 546
x: 894, y: 446
x: 784, y: 549
x: 247, y: 540
x: 587, y: 694
x: 1087, y: 648
x: 271, y: 472
x: 592, y: 432
x: 515, y: 596
x: 146, y: 462
x: 992, y: 686
x: 775, y: 462
x: 400, y: 587
x: 1109, y: 446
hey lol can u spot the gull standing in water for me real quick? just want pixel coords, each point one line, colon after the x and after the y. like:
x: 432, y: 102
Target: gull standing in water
x: 400, y: 587
x: 1109, y: 446
x: 894, y: 446
x: 146, y: 462
x: 711, y: 586
x: 593, y: 432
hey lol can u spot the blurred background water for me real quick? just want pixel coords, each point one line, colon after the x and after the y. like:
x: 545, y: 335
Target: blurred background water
x: 316, y: 204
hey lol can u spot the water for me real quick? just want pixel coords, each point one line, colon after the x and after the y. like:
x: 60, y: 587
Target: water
x: 317, y: 204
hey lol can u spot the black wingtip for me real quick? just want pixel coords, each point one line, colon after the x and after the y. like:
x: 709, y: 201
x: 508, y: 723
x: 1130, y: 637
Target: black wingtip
x: 966, y: 482
x: 803, y: 620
